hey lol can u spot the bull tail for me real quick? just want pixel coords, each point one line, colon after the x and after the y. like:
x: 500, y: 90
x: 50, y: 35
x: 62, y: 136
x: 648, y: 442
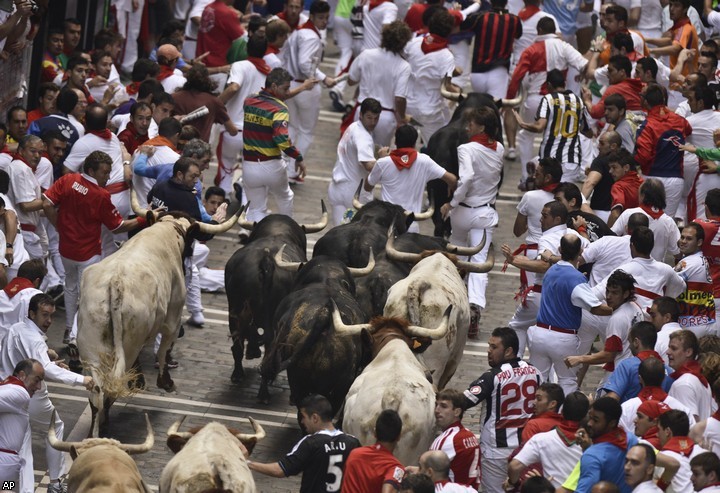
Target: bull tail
x: 267, y: 271
x: 322, y: 319
x: 414, y: 301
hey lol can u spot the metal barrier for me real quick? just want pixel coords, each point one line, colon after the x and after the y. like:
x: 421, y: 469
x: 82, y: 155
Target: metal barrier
x: 14, y: 77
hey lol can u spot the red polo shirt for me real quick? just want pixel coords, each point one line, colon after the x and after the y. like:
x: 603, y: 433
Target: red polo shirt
x: 369, y: 468
x: 624, y: 192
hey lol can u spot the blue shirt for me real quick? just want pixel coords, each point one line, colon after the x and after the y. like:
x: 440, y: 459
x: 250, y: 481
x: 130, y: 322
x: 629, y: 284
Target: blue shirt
x: 604, y: 462
x: 556, y: 307
x: 625, y: 380
x: 565, y: 12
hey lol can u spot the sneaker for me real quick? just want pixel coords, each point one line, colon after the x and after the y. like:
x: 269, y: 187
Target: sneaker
x: 474, y: 328
x: 171, y: 363
x: 296, y: 180
x: 337, y: 101
x: 196, y: 320
x: 66, y: 337
x: 511, y: 154
x: 57, y: 488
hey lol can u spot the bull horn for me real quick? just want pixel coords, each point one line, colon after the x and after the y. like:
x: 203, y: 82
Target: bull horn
x: 243, y: 222
x: 343, y: 329
x: 393, y: 254
x: 516, y: 100
x: 52, y: 437
x: 258, y: 435
x: 314, y: 228
x: 136, y: 207
x: 364, y: 271
x: 468, y: 251
x: 284, y: 265
x: 173, y: 430
x: 421, y: 216
x: 141, y: 448
x: 356, y: 198
x: 479, y: 268
x: 452, y: 96
x: 214, y: 229
x: 436, y: 333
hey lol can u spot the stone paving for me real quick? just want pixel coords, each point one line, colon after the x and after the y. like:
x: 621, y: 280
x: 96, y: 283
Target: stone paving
x: 204, y: 391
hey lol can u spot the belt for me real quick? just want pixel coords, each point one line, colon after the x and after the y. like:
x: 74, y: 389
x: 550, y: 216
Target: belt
x: 536, y: 288
x: 118, y: 187
x: 463, y: 204
x: 28, y: 227
x: 11, y: 452
x: 556, y: 329
x: 646, y: 293
x: 260, y: 159
x: 387, y: 109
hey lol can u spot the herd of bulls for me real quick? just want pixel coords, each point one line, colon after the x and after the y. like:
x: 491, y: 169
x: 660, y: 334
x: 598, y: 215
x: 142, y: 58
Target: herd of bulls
x: 388, y: 339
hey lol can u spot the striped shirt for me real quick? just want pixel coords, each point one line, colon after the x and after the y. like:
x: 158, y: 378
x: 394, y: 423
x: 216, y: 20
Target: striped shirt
x: 265, y: 129
x: 495, y: 33
x: 564, y: 112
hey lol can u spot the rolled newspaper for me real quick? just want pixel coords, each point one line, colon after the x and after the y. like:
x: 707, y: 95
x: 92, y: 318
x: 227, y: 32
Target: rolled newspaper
x: 195, y: 114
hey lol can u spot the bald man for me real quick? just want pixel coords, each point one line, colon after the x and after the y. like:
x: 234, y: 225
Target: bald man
x: 436, y: 465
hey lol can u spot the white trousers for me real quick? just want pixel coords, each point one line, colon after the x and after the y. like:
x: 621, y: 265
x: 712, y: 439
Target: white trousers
x: 691, y: 167
x: 493, y: 82
x: 181, y: 10
x: 673, y: 193
x: 461, y: 52
x: 340, y: 196
x: 303, y: 110
x: 73, y: 274
x: 705, y: 183
x: 41, y: 410
x: 210, y: 279
x: 494, y: 474
x: 261, y: 178
x: 36, y: 243
x: 229, y: 155
x: 10, y: 467
x: 525, y: 139
x: 56, y: 271
x: 525, y: 316
x: 468, y: 226
x: 344, y: 42
x: 129, y: 27
x: 121, y: 201
x: 548, y: 350
x: 430, y: 123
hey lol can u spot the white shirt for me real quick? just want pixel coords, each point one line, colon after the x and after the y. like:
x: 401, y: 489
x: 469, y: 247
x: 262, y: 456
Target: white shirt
x: 196, y: 10
x: 428, y: 71
x: 696, y: 269
x: 453, y: 488
x: 664, y: 230
x: 20, y: 255
x: 405, y: 187
x: 301, y: 54
x: 373, y: 22
x: 647, y: 487
x: 44, y: 173
x: 15, y: 309
x: 273, y: 60
x: 250, y: 80
x: 550, y: 240
x: 606, y: 254
x: 681, y: 481
x: 355, y: 146
x: 14, y: 416
x: 531, y: 206
x: 627, y: 315
x: 630, y: 407
x: 174, y: 82
x: 370, y: 69
x: 24, y: 188
x: 80, y: 128
x: 712, y: 434
x: 91, y: 142
x: 698, y: 398
x: 557, y: 457
x: 529, y: 32
x: 479, y: 171
x: 558, y: 55
x: 142, y: 184
x: 663, y: 339
x: 703, y: 123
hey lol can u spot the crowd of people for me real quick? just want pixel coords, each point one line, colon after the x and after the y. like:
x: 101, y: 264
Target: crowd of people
x: 620, y: 215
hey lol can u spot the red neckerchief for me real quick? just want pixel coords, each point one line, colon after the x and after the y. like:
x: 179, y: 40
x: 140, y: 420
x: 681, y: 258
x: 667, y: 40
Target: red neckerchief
x: 485, y: 140
x: 403, y: 158
x: 680, y: 445
x: 294, y: 26
x: 528, y: 12
x: 6, y: 150
x: 716, y: 415
x: 615, y: 437
x: 653, y: 212
x: 567, y: 430
x: 103, y: 134
x: 652, y: 436
x: 650, y: 353
x: 550, y: 188
x: 17, y: 285
x: 132, y: 88
x: 375, y: 3
x: 12, y: 380
x: 164, y: 73
x: 433, y: 42
x: 311, y: 26
x: 271, y: 50
x: 160, y: 141
x: 652, y: 394
x: 692, y: 367
x: 680, y: 23
x: 260, y: 64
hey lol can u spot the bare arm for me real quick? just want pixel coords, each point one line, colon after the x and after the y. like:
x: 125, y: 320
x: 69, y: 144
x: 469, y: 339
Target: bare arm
x: 32, y: 206
x: 400, y: 107
x: 229, y: 92
x: 523, y: 262
x: 273, y: 469
x: 230, y: 127
x: 520, y: 226
x: 602, y: 310
x: 451, y: 181
x: 634, y: 16
x: 590, y: 183
x: 599, y: 358
x: 388, y: 488
x: 614, y: 215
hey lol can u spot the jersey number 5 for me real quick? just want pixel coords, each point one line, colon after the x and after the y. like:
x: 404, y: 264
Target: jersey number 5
x: 334, y: 469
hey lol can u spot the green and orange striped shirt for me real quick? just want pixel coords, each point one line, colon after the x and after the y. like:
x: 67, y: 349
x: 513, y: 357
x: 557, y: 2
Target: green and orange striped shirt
x: 265, y: 131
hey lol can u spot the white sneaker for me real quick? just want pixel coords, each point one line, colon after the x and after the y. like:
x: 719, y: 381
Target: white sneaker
x: 511, y: 154
x: 57, y: 488
x: 197, y: 319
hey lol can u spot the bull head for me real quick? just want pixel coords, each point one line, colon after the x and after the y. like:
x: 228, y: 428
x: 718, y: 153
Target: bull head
x: 474, y: 267
x: 412, y: 330
x: 308, y: 228
x: 131, y: 449
x: 177, y: 439
x: 209, y: 229
x: 296, y: 266
x: 417, y: 216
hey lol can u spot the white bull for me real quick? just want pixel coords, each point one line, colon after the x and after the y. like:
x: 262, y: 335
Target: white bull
x: 210, y: 458
x: 432, y: 285
x: 130, y: 297
x: 103, y: 464
x: 394, y: 379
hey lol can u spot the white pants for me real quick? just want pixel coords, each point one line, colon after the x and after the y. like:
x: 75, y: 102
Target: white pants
x: 229, y: 153
x: 690, y: 171
x: 673, y: 193
x: 591, y: 327
x: 40, y: 412
x: 210, y: 279
x: 461, y: 52
x: 572, y: 173
x: 56, y: 271
x: 468, y: 226
x: 705, y: 183
x: 193, y: 301
x: 73, y: 274
x: 129, y: 28
x: 548, y: 350
x: 340, y: 196
x: 181, y: 10
x: 36, y: 243
x: 10, y: 467
x: 493, y: 82
x: 430, y: 123
x: 494, y: 474
x: 261, y: 178
x: 121, y: 201
x: 344, y: 42
x: 525, y: 139
x: 525, y: 316
x: 303, y: 110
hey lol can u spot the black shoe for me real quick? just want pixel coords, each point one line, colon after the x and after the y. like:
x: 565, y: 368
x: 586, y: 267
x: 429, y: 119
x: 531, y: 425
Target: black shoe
x: 337, y: 102
x: 75, y: 366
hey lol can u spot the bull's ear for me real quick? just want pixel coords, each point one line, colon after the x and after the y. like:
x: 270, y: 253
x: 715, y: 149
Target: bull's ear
x: 366, y: 344
x: 250, y: 445
x: 175, y: 443
x: 409, y: 220
x: 150, y: 218
x: 73, y: 452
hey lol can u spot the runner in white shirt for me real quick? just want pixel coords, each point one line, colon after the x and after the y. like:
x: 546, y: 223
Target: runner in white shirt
x: 15, y: 297
x: 356, y: 157
x: 15, y: 394
x: 480, y: 164
x: 690, y: 386
x: 25, y: 193
x: 673, y: 429
x: 164, y: 151
x: 432, y: 66
x: 191, y: 28
x: 376, y: 14
x: 639, y: 468
x: 664, y: 313
x: 708, y: 431
x: 9, y: 219
x: 705, y: 470
x: 405, y: 172
x: 169, y: 76
x: 389, y: 86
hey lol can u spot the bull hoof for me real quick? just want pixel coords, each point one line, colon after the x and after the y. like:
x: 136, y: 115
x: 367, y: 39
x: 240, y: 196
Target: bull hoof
x: 138, y: 383
x: 237, y: 375
x: 165, y: 382
x: 263, y: 396
x: 252, y: 351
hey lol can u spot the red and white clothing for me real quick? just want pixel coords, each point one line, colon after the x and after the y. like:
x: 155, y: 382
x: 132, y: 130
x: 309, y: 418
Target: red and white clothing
x: 369, y: 468
x: 618, y: 331
x: 630, y: 407
x: 448, y: 487
x: 663, y: 339
x: 697, y: 304
x: 664, y: 230
x: 711, y: 250
x: 375, y: 15
x: 20, y: 255
x: 697, y: 185
x: 174, y: 81
x: 272, y: 57
x: 480, y: 165
x: 682, y: 449
x: 606, y: 254
x: 558, y: 454
x: 355, y: 146
x: 14, y: 303
x: 219, y: 27
x: 430, y: 65
x: 25, y: 188
x: 14, y: 425
x: 129, y: 19
x: 376, y: 81
x: 695, y: 394
x: 191, y: 29
x: 463, y: 450
x: 529, y: 17
x: 625, y: 191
